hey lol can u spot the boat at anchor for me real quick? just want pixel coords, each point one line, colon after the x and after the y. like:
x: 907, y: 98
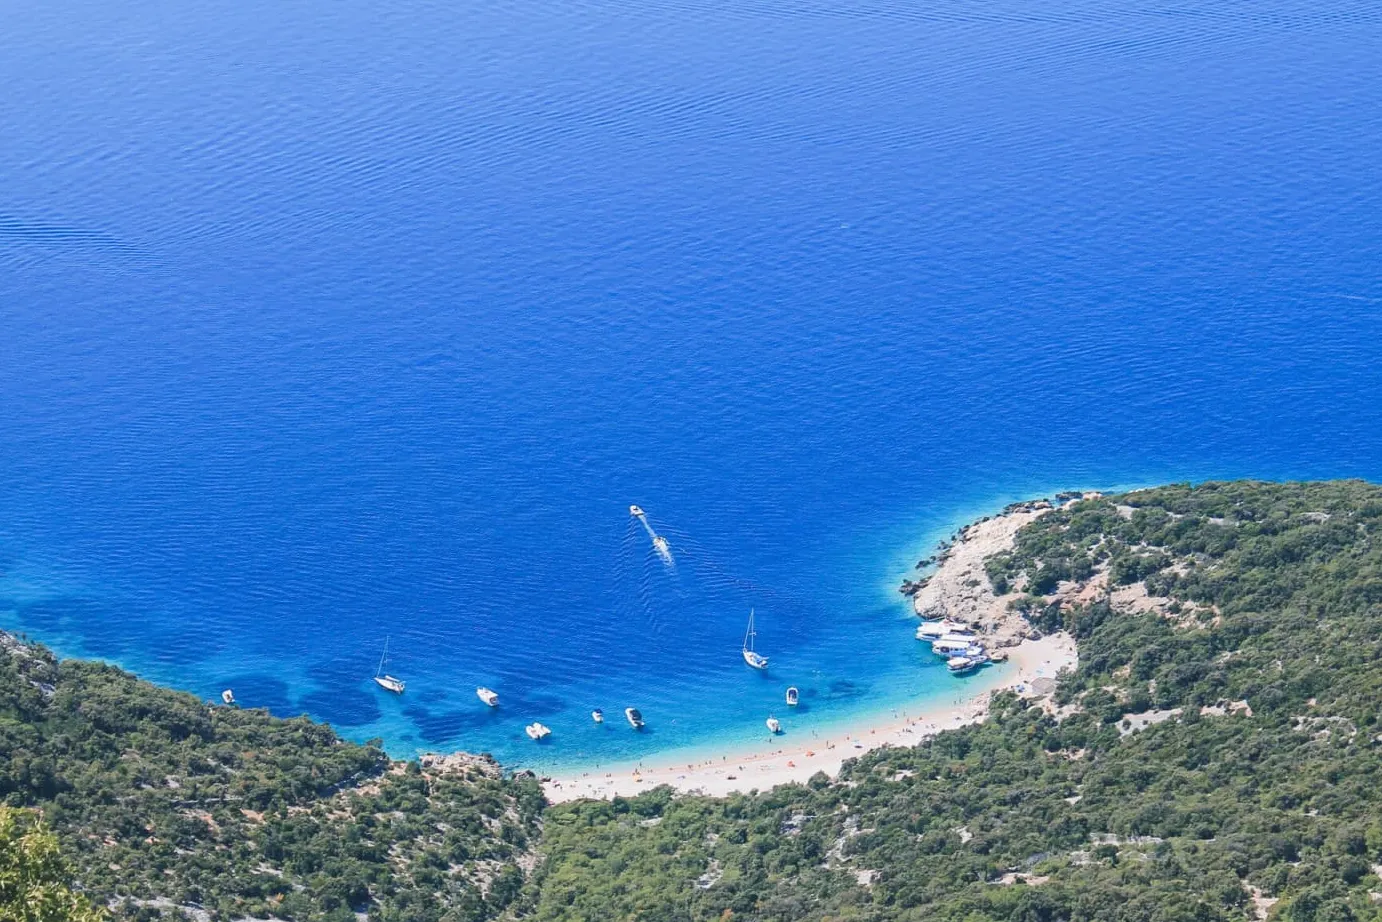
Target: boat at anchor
x: 386, y: 681
x: 754, y: 659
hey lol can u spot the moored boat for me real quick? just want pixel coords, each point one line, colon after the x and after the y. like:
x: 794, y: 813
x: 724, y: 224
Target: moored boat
x: 756, y: 660
x: 228, y: 697
x: 488, y: 696
x: 383, y: 679
x: 634, y: 717
x: 598, y: 716
x: 933, y: 630
x: 537, y: 731
x: 774, y: 725
x: 951, y: 646
x: 963, y: 665
x: 793, y: 696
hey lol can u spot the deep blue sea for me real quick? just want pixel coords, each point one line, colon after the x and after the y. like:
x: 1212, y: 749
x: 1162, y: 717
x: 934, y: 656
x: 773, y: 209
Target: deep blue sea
x: 322, y: 323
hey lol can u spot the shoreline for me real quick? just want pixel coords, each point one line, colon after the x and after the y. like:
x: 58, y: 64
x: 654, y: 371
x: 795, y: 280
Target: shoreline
x: 958, y: 588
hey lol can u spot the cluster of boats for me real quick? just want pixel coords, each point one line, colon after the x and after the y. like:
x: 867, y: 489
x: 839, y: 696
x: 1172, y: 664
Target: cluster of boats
x: 537, y: 731
x: 957, y: 643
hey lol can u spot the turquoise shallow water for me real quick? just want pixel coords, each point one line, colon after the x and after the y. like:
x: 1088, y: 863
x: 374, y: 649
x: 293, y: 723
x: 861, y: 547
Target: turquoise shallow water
x: 326, y: 324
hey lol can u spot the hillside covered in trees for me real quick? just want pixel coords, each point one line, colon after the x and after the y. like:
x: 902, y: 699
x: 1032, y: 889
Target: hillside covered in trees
x: 165, y: 805
x: 1217, y: 756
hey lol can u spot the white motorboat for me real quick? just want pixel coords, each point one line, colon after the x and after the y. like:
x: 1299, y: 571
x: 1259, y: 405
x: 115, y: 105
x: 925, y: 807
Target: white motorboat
x: 634, y: 718
x: 383, y: 679
x: 756, y: 660
x: 488, y: 696
x: 598, y: 716
x: 963, y: 665
x: 227, y: 697
x: 774, y: 725
x: 793, y: 696
x: 537, y: 731
x: 660, y: 545
x: 635, y: 511
x: 951, y: 646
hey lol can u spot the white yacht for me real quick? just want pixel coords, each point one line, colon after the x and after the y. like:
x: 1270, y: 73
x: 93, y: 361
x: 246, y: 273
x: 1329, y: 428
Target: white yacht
x: 598, y: 716
x: 793, y: 696
x: 635, y: 719
x: 386, y: 681
x: 932, y: 630
x: 537, y: 731
x: 756, y: 660
x: 774, y: 725
x: 950, y: 646
x: 488, y: 696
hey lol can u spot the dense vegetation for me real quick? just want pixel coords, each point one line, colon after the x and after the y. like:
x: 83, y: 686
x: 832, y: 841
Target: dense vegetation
x: 1217, y: 756
x: 162, y: 801
x: 1144, y: 791
x: 34, y: 879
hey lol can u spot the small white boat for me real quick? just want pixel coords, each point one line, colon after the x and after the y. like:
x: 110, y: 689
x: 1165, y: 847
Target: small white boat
x: 537, y: 731
x: 963, y: 665
x: 774, y: 725
x: 488, y: 696
x: 635, y: 511
x: 227, y: 697
x: 634, y: 718
x: 383, y: 679
x: 756, y: 660
x: 793, y: 696
x: 598, y: 716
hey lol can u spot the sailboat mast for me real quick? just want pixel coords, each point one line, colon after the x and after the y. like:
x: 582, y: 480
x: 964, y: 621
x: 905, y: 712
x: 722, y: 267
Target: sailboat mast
x: 382, y: 658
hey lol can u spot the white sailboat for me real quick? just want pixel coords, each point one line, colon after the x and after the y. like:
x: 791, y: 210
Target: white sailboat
x: 386, y: 681
x: 488, y: 696
x: 756, y: 660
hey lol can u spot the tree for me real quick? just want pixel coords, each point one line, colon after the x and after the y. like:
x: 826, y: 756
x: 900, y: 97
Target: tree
x: 33, y: 875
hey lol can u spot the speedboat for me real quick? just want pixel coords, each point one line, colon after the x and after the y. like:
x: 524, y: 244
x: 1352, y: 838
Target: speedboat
x: 228, y: 697
x: 488, y: 696
x: 660, y: 545
x: 756, y: 660
x: 537, y: 731
x: 774, y: 725
x: 598, y: 716
x: 635, y: 510
x: 634, y: 717
x: 793, y: 696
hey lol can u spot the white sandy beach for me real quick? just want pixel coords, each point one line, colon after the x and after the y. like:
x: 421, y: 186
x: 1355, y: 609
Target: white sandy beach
x: 958, y: 588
